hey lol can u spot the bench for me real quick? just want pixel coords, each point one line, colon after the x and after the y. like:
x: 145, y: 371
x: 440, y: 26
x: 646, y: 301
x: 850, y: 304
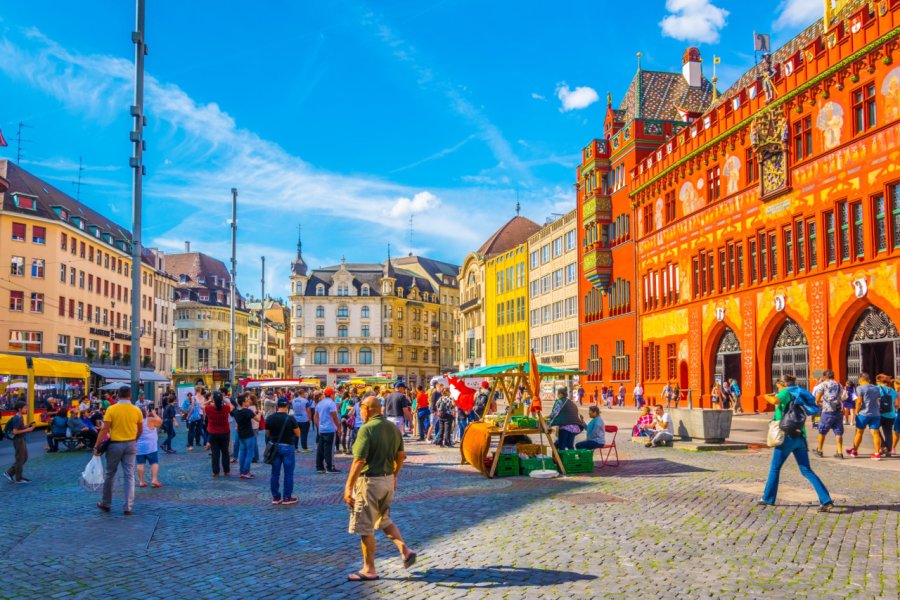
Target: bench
x: 71, y: 443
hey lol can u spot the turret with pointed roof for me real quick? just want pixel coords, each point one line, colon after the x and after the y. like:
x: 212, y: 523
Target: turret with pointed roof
x: 299, y: 266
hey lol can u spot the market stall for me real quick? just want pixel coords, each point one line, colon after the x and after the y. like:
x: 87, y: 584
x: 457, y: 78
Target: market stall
x: 483, y: 441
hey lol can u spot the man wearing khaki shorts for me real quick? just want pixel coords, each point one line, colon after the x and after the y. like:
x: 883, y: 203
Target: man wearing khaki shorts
x: 377, y: 459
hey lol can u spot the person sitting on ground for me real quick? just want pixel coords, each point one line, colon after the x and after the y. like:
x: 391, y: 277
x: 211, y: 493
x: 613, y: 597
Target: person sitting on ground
x: 644, y: 425
x: 595, y: 431
x: 663, y: 431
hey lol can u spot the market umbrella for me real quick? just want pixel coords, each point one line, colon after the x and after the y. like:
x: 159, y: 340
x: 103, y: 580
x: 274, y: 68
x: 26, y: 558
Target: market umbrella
x: 534, y: 379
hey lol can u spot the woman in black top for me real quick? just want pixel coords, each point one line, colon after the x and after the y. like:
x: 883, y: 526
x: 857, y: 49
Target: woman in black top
x: 170, y: 422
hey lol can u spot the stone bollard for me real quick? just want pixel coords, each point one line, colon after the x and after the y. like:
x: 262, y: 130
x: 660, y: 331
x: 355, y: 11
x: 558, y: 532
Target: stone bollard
x: 711, y: 425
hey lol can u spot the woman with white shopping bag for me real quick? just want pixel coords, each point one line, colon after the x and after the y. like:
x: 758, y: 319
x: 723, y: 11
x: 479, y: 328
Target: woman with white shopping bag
x: 792, y: 405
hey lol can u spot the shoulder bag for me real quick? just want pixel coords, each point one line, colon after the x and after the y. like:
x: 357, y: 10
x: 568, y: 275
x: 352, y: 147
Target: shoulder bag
x: 775, y: 436
x: 272, y: 445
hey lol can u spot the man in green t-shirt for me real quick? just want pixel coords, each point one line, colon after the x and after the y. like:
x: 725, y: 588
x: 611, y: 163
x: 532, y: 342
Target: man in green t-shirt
x: 377, y: 459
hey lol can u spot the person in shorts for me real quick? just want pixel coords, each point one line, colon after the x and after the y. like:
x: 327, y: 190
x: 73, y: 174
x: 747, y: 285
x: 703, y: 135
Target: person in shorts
x: 828, y: 393
x: 377, y: 459
x: 868, y: 415
x: 148, y: 447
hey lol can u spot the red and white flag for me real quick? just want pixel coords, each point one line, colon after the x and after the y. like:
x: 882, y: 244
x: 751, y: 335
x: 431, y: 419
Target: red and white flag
x: 2, y: 140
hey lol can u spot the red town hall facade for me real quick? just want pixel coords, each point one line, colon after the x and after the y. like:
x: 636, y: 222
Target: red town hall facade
x: 752, y: 233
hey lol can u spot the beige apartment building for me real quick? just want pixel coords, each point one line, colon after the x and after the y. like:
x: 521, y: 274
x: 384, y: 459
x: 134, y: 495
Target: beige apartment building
x: 275, y: 339
x: 68, y: 283
x: 553, y: 292
x: 203, y: 320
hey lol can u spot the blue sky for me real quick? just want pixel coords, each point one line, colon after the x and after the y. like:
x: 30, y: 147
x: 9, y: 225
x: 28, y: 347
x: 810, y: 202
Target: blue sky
x: 345, y: 116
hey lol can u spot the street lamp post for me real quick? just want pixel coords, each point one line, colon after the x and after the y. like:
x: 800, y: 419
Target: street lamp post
x: 234, y: 194
x: 137, y: 166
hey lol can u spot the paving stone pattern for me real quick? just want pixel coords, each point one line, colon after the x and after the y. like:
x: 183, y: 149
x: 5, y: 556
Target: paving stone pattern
x: 667, y: 523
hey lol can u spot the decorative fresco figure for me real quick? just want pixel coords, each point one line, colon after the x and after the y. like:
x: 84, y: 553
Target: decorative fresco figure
x: 732, y: 173
x: 659, y: 213
x: 830, y: 122
x: 891, y: 91
x: 690, y: 200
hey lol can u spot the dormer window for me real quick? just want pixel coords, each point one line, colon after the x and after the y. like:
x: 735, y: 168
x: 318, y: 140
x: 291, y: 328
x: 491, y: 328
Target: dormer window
x: 26, y: 202
x: 400, y: 291
x: 202, y: 281
x: 61, y: 213
x: 204, y: 296
x: 182, y: 278
x: 93, y: 229
x: 320, y: 290
x: 365, y: 290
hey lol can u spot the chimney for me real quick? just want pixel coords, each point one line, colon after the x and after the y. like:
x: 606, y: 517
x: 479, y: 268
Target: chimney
x: 187, y: 247
x: 691, y: 67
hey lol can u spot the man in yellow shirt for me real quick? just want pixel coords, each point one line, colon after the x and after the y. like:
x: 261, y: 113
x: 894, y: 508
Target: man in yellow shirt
x: 123, y: 423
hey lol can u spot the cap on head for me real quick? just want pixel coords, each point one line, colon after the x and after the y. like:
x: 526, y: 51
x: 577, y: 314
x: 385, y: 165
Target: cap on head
x: 329, y: 391
x: 283, y: 403
x: 401, y: 385
x: 485, y: 384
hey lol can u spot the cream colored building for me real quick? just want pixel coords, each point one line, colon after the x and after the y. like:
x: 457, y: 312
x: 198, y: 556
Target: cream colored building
x: 276, y: 341
x: 553, y: 292
x: 203, y: 320
x: 470, y: 335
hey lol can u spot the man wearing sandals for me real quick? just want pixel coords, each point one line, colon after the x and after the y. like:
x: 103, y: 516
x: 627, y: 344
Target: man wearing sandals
x: 377, y: 459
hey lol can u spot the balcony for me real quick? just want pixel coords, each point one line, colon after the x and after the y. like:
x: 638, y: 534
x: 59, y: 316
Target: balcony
x: 597, y: 266
x: 596, y: 207
x: 470, y: 304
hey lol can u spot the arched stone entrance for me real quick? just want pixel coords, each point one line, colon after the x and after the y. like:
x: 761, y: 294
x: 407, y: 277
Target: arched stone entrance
x: 874, y: 345
x: 728, y: 358
x: 790, y: 353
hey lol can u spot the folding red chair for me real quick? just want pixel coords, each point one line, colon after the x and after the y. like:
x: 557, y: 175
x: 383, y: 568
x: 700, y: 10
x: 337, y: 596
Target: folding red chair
x: 610, y: 447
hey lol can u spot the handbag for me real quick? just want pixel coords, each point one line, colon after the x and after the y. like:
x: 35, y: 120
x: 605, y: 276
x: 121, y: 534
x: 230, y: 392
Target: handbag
x: 775, y: 436
x: 272, y: 445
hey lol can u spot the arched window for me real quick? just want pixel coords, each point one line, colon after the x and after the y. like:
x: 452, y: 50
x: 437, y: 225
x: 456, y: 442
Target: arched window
x: 365, y: 312
x: 365, y: 356
x: 321, y: 356
x: 343, y: 311
x: 343, y: 356
x: 298, y: 311
x: 365, y: 290
x: 299, y: 287
x: 320, y: 312
x: 320, y: 290
x: 342, y: 331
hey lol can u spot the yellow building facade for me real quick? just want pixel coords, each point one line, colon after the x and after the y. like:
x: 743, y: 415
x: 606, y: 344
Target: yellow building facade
x: 506, y: 306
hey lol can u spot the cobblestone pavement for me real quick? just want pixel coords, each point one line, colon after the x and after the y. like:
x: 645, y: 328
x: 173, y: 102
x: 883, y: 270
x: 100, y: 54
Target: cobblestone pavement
x: 666, y: 523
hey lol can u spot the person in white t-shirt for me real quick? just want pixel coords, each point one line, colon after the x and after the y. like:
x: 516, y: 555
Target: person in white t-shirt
x: 665, y: 432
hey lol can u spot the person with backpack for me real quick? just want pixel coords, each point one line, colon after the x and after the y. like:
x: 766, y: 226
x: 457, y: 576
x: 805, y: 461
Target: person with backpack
x: 792, y: 405
x: 887, y: 402
x: 828, y: 394
x: 445, y: 409
x: 868, y: 414
x: 195, y: 421
x: 15, y: 430
x: 736, y: 395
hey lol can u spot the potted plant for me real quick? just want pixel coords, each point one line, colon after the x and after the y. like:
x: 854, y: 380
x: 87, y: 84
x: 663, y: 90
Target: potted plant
x: 104, y: 356
x: 90, y: 354
x: 117, y: 357
x: 126, y: 358
x: 146, y: 361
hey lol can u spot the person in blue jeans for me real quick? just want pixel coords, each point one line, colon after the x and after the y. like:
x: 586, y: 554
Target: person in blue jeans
x: 788, y: 390
x: 244, y: 418
x: 282, y: 429
x: 195, y: 422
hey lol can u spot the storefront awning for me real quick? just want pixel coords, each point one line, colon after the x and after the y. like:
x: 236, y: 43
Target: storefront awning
x: 123, y: 375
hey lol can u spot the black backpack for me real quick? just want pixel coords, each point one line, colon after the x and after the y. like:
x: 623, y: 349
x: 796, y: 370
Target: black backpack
x: 8, y: 430
x: 793, y: 419
x: 885, y: 403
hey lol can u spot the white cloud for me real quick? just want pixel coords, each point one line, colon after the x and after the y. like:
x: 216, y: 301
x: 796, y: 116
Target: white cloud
x: 575, y: 99
x: 537, y: 96
x: 798, y: 13
x: 693, y: 20
x: 421, y: 202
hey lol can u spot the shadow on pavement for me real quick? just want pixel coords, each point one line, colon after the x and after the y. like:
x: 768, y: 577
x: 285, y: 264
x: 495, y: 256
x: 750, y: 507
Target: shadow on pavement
x: 498, y: 576
x: 648, y: 467
x: 847, y: 510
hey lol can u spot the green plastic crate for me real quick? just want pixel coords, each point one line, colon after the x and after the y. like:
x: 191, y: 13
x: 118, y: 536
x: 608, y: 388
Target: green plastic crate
x: 527, y: 465
x: 507, y: 465
x: 577, y: 461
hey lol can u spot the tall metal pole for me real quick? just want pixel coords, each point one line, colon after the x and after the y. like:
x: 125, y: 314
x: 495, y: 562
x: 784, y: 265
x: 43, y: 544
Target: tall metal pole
x: 233, y: 284
x: 137, y: 166
x: 262, y: 320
